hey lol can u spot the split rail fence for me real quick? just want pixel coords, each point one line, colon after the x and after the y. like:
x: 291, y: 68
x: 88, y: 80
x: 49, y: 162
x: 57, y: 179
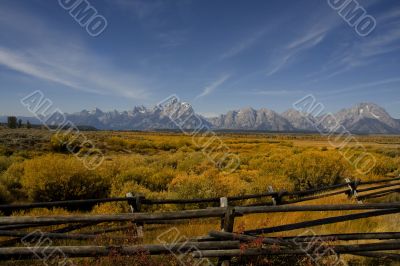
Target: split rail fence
x: 224, y: 244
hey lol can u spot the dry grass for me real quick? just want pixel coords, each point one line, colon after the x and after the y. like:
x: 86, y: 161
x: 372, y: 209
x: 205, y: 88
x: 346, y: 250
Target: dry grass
x: 170, y: 165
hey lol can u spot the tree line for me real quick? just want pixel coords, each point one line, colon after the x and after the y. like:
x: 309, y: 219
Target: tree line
x: 13, y: 122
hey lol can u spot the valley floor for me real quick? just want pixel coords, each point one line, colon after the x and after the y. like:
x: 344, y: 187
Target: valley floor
x: 36, y: 166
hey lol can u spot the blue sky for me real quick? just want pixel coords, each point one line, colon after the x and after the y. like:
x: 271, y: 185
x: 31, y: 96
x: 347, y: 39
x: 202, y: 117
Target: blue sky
x: 217, y: 55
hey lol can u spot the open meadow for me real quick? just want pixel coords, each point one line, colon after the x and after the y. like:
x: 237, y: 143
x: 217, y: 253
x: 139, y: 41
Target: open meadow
x: 36, y: 167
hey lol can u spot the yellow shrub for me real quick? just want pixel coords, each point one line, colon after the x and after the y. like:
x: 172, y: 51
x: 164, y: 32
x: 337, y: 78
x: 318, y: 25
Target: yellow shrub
x: 278, y: 182
x: 110, y: 208
x: 5, y: 162
x: 42, y: 212
x: 11, y: 179
x: 139, y: 174
x: 188, y: 186
x: 194, y: 162
x: 234, y: 184
x: 160, y: 180
x: 384, y: 165
x: 5, y: 196
x: 65, y: 143
x: 117, y: 144
x: 149, y: 177
x: 116, y: 165
x: 119, y: 189
x: 60, y: 177
x: 315, y: 169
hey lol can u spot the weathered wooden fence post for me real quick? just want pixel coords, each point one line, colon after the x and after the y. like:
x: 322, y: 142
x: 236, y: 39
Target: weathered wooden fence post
x: 271, y: 190
x: 227, y: 224
x: 223, y: 203
x: 136, y: 206
x: 353, y: 188
x: 277, y: 197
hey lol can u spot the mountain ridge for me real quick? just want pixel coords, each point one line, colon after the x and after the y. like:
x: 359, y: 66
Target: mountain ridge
x: 362, y: 118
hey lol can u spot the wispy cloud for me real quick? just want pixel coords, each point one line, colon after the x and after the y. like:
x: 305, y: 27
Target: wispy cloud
x: 67, y: 63
x: 210, y: 88
x: 279, y: 64
x: 298, y: 45
x: 363, y: 86
x: 363, y: 52
x: 22, y: 64
x: 381, y: 44
x: 310, y: 39
x: 276, y: 92
x: 392, y: 14
x: 78, y: 76
x: 243, y: 45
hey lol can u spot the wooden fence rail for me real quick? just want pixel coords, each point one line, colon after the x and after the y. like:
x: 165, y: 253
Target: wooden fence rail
x: 102, y: 251
x: 378, y: 187
x: 47, y: 235
x: 214, y: 212
x: 279, y: 194
x: 323, y: 221
x: 382, y: 192
x: 339, y: 249
x: 285, y: 240
x: 223, y: 244
x: 196, y: 249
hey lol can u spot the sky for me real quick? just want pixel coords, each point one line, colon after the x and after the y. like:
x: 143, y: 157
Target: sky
x: 218, y: 55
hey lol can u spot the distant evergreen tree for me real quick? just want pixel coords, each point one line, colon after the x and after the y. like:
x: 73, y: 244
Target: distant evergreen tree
x: 12, y: 122
x: 28, y: 124
x: 19, y: 123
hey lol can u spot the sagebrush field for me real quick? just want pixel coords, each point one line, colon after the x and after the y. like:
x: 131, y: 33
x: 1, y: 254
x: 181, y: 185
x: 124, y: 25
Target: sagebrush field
x: 35, y: 167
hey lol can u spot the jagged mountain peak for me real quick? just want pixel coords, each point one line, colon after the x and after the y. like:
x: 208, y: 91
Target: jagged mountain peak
x: 140, y: 109
x: 362, y: 114
x: 83, y: 112
x: 140, y: 117
x: 367, y: 110
x: 175, y: 108
x: 186, y: 104
x: 246, y: 110
x: 363, y: 117
x: 300, y: 120
x: 96, y: 111
x: 293, y: 112
x: 251, y: 119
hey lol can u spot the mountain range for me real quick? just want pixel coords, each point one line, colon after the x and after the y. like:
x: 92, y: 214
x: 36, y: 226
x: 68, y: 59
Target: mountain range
x: 363, y: 118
